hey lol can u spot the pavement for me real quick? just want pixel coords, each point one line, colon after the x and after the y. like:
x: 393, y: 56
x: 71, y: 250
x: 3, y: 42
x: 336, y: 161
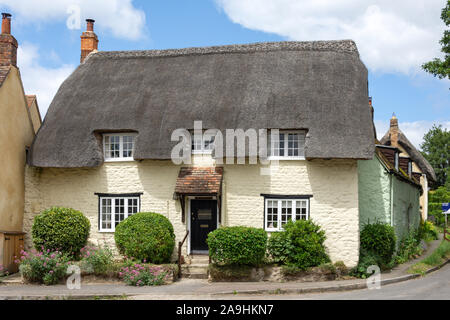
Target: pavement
x: 198, y: 289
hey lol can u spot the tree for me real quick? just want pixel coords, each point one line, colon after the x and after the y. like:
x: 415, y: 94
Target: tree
x: 436, y: 149
x: 438, y: 67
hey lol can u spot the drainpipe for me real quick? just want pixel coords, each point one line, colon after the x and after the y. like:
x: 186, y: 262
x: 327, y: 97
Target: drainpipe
x: 391, y: 185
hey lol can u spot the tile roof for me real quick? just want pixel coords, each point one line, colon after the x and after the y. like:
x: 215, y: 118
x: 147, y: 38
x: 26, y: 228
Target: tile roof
x: 198, y: 180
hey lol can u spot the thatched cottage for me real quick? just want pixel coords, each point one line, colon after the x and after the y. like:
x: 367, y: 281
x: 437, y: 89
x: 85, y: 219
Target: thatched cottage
x: 105, y: 147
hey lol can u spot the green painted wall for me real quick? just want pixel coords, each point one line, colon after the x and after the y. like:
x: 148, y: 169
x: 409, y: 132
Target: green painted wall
x: 375, y: 184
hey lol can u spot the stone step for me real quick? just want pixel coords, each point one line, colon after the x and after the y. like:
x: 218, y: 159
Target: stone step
x: 199, y: 258
x: 194, y: 269
x: 195, y: 275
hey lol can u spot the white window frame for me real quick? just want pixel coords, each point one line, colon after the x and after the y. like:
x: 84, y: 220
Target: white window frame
x: 113, y: 209
x: 121, y: 157
x: 279, y: 210
x: 301, y: 148
x: 203, y: 150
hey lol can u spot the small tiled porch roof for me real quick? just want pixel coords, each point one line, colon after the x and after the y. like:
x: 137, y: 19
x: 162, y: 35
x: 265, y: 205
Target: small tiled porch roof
x: 199, y: 180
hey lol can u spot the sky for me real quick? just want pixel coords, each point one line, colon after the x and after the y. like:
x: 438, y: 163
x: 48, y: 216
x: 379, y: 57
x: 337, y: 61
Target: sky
x: 394, y: 38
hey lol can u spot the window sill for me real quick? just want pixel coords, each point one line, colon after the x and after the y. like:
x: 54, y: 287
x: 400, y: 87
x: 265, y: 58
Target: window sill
x: 120, y: 160
x: 285, y: 158
x: 106, y: 231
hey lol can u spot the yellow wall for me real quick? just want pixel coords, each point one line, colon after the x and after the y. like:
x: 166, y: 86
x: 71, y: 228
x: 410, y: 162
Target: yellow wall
x: 333, y: 184
x: 35, y: 116
x: 16, y: 132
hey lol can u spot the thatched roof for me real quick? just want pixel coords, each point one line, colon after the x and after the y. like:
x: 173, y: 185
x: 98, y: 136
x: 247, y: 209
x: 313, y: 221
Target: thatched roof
x: 413, y: 153
x: 318, y: 86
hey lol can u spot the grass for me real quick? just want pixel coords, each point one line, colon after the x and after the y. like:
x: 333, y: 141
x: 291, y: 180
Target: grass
x: 439, y: 256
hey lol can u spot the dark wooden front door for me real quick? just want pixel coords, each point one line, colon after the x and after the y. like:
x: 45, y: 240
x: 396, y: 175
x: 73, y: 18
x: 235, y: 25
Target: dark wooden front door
x: 203, y: 221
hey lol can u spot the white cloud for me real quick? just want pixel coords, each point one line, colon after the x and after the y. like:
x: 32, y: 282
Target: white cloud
x: 392, y: 36
x: 119, y: 17
x: 44, y: 82
x: 414, y: 131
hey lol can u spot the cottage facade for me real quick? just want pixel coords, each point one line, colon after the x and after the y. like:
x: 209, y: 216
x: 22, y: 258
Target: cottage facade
x: 18, y: 124
x: 412, y: 161
x: 387, y: 194
x: 106, y: 146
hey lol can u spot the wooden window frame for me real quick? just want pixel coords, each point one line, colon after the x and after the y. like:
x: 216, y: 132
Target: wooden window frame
x: 113, y: 198
x: 279, y: 200
x: 121, y: 144
x: 301, y: 148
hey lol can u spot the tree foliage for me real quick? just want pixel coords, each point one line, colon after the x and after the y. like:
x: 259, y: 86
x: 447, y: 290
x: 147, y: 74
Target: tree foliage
x: 437, y: 67
x: 436, y: 149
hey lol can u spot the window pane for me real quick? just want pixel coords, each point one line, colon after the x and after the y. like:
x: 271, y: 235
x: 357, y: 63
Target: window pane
x: 132, y: 206
x: 119, y: 210
x: 106, y: 214
x: 286, y: 212
x: 272, y: 214
x: 300, y: 210
x: 128, y: 142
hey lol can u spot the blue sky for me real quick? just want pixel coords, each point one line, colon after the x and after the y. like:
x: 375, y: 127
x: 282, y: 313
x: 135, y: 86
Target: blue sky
x: 393, y: 39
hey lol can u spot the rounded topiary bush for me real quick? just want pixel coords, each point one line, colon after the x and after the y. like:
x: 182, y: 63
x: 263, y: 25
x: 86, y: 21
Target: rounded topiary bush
x: 300, y: 245
x: 146, y: 236
x: 378, y: 239
x: 237, y: 246
x: 63, y: 229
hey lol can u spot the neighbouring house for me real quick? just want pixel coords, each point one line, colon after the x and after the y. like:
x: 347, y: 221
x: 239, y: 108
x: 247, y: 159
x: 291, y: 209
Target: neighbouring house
x: 105, y: 147
x: 411, y: 161
x: 19, y: 121
x: 388, y: 192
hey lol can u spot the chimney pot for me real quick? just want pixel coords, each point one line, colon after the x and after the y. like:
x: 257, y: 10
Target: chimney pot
x: 90, y: 25
x: 6, y: 23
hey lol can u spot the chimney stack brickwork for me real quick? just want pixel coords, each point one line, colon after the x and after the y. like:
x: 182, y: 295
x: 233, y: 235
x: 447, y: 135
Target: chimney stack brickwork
x: 89, y: 40
x: 8, y: 44
x: 393, y: 131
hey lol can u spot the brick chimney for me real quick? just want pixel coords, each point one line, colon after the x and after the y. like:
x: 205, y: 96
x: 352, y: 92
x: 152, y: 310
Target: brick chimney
x: 8, y: 44
x: 393, y: 131
x: 89, y: 40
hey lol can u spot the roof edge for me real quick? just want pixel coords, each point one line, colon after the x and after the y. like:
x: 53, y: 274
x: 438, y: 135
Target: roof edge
x: 342, y: 46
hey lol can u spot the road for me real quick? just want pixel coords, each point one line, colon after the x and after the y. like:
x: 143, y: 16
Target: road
x: 435, y: 286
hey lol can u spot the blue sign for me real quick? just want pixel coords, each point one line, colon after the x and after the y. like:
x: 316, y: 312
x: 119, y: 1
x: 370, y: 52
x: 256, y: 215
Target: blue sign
x: 446, y: 208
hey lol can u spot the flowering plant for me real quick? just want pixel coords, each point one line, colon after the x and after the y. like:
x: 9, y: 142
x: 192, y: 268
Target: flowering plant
x: 3, y: 271
x: 144, y: 275
x: 96, y: 260
x: 43, y: 266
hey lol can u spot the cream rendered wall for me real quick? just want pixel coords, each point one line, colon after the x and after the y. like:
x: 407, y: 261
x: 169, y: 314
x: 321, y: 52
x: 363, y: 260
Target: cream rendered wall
x: 333, y: 184
x: 16, y: 133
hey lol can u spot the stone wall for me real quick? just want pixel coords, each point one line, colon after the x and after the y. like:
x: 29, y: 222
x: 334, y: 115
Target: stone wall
x: 333, y: 184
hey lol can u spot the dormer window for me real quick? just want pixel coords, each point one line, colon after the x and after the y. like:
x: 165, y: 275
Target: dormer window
x: 288, y: 145
x: 202, y: 144
x: 118, y: 146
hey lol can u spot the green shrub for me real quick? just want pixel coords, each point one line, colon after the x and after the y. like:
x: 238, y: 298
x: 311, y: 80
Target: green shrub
x: 408, y: 248
x: 43, y: 266
x: 98, y: 261
x: 380, y: 240
x: 427, y: 231
x: 63, y: 229
x: 280, y: 247
x: 366, y: 259
x: 300, y: 245
x: 146, y: 236
x: 237, y: 246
